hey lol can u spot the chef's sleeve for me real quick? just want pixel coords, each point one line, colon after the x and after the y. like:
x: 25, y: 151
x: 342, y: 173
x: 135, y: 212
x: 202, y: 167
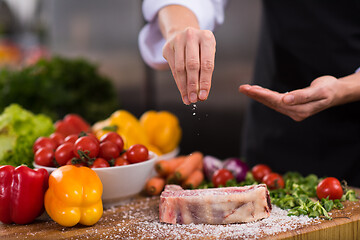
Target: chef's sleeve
x: 210, y: 13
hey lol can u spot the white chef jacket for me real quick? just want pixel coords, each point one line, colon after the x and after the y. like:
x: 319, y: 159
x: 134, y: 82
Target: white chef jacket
x: 150, y: 38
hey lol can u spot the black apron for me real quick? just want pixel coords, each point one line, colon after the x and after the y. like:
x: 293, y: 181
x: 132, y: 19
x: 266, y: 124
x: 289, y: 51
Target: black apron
x: 300, y: 41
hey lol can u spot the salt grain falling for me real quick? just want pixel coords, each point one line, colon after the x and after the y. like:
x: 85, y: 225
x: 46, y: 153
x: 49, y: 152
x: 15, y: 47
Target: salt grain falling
x: 194, y: 108
x: 194, y: 113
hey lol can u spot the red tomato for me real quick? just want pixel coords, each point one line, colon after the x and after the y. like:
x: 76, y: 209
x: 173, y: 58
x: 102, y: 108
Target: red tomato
x: 77, y: 163
x: 100, y: 163
x: 259, y: 171
x: 78, y: 122
x: 137, y: 153
x: 44, y: 157
x: 58, y: 138
x: 43, y: 142
x: 65, y: 128
x: 115, y: 138
x: 221, y: 176
x: 108, y: 150
x: 121, y: 161
x: 71, y: 138
x: 64, y: 153
x: 93, y: 137
x: 87, y: 145
x: 331, y: 187
x: 124, y: 156
x: 274, y: 181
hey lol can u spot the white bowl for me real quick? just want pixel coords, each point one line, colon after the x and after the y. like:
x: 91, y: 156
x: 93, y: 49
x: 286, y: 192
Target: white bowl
x: 122, y: 182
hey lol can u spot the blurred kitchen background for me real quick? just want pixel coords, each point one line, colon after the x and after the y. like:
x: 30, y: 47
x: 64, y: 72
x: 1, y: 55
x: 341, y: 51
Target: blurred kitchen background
x: 105, y: 32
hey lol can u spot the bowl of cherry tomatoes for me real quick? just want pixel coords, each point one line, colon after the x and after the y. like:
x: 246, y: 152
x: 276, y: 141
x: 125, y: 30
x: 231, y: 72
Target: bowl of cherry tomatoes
x: 123, y: 173
x: 122, y: 182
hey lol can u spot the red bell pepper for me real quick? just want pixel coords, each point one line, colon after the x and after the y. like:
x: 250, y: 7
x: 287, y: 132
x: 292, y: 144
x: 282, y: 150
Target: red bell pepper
x: 22, y: 193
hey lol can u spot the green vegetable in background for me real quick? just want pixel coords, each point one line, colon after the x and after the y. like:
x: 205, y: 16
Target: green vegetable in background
x: 59, y: 86
x: 19, y: 129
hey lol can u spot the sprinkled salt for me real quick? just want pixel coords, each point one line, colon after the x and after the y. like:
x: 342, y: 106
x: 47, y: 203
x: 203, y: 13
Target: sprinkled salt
x: 194, y: 107
x: 144, y: 220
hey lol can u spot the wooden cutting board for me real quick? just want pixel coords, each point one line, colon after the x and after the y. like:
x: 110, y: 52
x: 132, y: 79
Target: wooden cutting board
x: 138, y: 219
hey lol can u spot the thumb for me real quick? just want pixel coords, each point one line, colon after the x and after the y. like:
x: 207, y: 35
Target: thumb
x: 301, y: 96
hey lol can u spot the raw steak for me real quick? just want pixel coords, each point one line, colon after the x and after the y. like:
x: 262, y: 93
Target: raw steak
x: 214, y: 205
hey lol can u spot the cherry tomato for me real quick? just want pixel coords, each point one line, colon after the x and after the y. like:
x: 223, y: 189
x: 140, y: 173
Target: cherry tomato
x: 64, y: 153
x: 71, y: 138
x: 65, y: 128
x: 115, y: 138
x: 108, y: 150
x: 137, y: 153
x: 121, y: 162
x: 58, y: 138
x: 78, y: 122
x: 87, y: 145
x: 331, y: 187
x: 221, y: 176
x: 100, y: 163
x: 44, y: 157
x: 274, y: 181
x: 124, y: 156
x: 93, y: 137
x: 42, y: 142
x: 259, y: 171
x: 77, y: 163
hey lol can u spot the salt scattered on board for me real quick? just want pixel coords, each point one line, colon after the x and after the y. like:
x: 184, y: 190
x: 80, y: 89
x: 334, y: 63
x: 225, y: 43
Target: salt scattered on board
x: 144, y: 220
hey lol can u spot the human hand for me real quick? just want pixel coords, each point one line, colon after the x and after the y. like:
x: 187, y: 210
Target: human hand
x: 191, y: 55
x: 324, y: 92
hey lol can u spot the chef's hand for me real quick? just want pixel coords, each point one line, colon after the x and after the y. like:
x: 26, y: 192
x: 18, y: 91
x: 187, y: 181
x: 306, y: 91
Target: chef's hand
x: 190, y: 54
x: 324, y: 92
x: 189, y: 51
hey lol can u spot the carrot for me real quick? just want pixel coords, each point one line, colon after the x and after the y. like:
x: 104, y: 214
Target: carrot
x: 200, y: 165
x: 194, y: 180
x: 166, y: 167
x: 171, y: 179
x: 190, y: 164
x: 155, y: 185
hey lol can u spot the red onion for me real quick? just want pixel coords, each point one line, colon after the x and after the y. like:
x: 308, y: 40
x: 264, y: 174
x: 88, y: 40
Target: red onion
x: 211, y: 164
x: 237, y: 167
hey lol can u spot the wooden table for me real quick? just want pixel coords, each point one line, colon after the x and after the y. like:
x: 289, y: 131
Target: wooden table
x: 139, y: 220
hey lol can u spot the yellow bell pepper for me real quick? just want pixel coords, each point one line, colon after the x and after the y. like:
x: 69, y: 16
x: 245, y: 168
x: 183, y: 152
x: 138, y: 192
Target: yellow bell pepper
x: 98, y: 128
x: 154, y: 149
x: 163, y: 129
x: 129, y: 128
x: 74, y: 196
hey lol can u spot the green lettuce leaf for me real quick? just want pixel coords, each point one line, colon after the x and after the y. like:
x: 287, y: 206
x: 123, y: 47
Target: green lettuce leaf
x: 19, y: 128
